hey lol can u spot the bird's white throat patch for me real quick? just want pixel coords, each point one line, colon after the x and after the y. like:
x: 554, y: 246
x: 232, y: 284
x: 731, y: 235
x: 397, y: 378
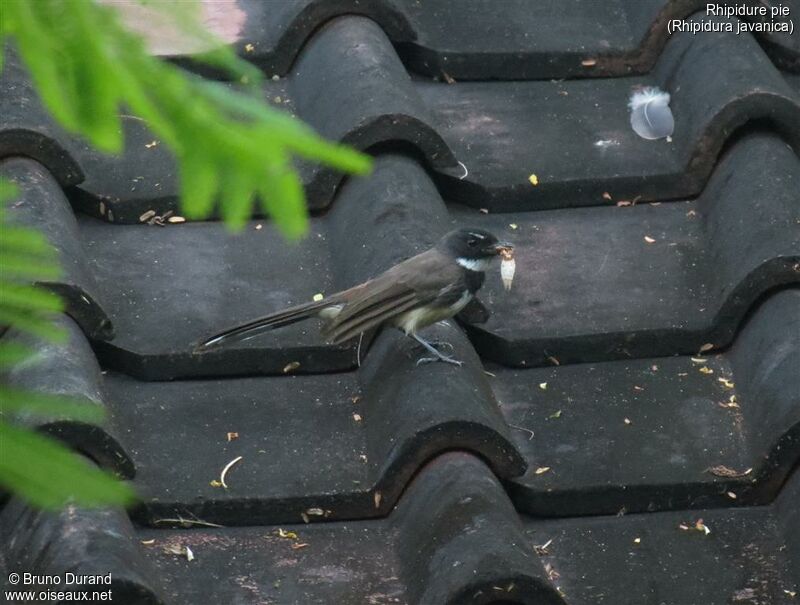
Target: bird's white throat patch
x: 474, y: 264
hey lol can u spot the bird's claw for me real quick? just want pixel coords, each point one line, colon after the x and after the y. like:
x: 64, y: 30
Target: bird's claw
x: 442, y: 358
x: 441, y: 344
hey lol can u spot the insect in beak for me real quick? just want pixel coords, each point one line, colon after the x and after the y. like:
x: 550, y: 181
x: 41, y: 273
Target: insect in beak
x: 508, y: 265
x: 504, y: 249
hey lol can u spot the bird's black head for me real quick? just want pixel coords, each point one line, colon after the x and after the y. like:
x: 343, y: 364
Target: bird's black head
x: 473, y: 245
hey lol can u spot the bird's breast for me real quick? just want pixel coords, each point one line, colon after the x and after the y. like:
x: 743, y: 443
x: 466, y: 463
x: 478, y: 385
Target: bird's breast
x: 416, y: 319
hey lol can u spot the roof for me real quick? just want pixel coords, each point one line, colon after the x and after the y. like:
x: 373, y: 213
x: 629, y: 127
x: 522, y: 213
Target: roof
x: 639, y: 378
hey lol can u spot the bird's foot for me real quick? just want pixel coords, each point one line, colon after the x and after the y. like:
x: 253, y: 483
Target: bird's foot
x: 439, y: 357
x: 440, y: 344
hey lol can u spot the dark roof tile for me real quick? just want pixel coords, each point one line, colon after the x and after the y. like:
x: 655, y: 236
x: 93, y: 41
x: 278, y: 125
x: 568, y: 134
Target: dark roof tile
x: 476, y: 41
x: 81, y: 542
x: 433, y: 484
x: 350, y: 85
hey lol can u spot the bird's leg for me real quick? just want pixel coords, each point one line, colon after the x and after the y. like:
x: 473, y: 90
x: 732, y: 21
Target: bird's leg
x: 434, y: 351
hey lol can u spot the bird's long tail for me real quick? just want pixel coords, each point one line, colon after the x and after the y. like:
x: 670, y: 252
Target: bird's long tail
x: 264, y: 324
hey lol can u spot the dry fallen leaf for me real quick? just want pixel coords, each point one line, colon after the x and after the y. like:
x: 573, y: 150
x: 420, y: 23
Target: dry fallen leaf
x: 700, y: 526
x: 637, y: 540
x: 173, y: 549
x: 627, y: 421
x: 534, y: 180
x: 706, y: 347
x: 726, y: 383
x: 318, y: 297
x: 607, y: 196
x: 649, y: 239
x: 259, y: 227
x: 554, y: 361
x: 589, y: 62
x: 148, y: 542
x: 541, y: 470
x: 147, y: 216
x: 377, y: 497
x: 299, y: 545
x: 484, y: 211
x: 554, y: 415
x: 289, y: 535
x: 290, y: 367
x: 215, y: 483
x: 151, y: 144
x: 232, y: 436
x: 513, y: 225
x: 699, y: 359
x: 176, y: 219
x: 624, y: 203
x: 706, y: 370
x: 730, y: 404
x: 543, y: 386
x: 731, y: 495
x: 357, y: 417
x: 552, y: 574
x: 725, y: 471
x: 541, y: 549
x: 249, y: 48
x: 177, y: 549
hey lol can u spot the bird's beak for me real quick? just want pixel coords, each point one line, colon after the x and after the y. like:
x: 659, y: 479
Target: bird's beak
x: 504, y: 249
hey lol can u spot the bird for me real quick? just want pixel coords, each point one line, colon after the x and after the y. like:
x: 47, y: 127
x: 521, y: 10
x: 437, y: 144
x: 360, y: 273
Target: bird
x: 427, y: 288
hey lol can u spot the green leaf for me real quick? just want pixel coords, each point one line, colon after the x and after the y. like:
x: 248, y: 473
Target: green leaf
x: 96, y: 76
x: 36, y: 46
x: 23, y: 239
x: 85, y: 65
x: 282, y: 197
x: 8, y: 190
x: 12, y: 353
x: 237, y: 198
x: 41, y: 326
x: 30, y: 298
x: 224, y: 58
x: 199, y: 185
x: 49, y: 475
x: 43, y: 404
x: 25, y: 267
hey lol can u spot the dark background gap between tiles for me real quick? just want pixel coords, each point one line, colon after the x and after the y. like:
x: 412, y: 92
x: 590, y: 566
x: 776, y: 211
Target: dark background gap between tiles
x: 583, y: 415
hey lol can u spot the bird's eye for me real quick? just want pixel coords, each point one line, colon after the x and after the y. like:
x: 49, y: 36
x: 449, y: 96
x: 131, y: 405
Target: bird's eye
x: 472, y: 243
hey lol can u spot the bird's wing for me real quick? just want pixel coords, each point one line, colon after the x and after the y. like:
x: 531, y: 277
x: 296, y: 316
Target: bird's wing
x: 418, y: 281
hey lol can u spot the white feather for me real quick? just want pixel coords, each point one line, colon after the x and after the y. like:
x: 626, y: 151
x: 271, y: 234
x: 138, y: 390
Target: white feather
x: 651, y: 116
x: 647, y: 95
